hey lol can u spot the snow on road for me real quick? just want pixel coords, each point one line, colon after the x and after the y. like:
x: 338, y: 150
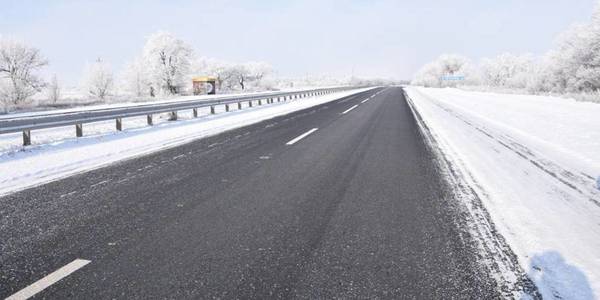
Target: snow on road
x: 56, y: 153
x: 534, y: 161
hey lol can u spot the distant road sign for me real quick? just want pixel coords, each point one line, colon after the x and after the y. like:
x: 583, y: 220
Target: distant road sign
x: 453, y: 78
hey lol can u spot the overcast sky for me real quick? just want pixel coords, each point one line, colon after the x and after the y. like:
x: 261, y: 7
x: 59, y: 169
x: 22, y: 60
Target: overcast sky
x: 374, y: 38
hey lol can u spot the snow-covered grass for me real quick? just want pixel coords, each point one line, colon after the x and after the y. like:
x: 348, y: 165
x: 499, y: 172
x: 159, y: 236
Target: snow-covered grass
x: 534, y: 161
x: 56, y: 153
x: 582, y: 96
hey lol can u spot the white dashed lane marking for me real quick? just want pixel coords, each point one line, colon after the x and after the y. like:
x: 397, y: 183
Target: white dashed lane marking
x: 349, y: 109
x: 301, y: 136
x: 49, y: 280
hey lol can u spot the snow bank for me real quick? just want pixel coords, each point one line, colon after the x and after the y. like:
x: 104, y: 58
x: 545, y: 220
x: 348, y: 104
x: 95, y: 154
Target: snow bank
x: 56, y: 153
x: 534, y: 162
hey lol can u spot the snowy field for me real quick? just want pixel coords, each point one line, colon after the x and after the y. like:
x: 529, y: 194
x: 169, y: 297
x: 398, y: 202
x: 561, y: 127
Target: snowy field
x: 56, y: 153
x: 534, y: 162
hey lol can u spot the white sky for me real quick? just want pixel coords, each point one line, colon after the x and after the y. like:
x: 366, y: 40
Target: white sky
x: 377, y: 38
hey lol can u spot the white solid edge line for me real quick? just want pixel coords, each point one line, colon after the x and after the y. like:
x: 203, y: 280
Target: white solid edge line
x: 349, y: 109
x: 49, y: 280
x: 301, y: 136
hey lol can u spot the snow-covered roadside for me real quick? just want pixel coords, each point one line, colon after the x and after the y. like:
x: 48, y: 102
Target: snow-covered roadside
x: 533, y: 161
x: 64, y: 155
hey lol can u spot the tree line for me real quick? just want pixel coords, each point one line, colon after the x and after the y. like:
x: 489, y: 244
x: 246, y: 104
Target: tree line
x: 164, y: 67
x: 573, y: 66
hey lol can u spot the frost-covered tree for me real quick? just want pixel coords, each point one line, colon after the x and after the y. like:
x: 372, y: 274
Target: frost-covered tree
x: 574, y: 64
x: 507, y: 70
x: 136, y: 79
x: 98, y: 79
x: 432, y: 74
x: 167, y: 60
x: 257, y: 71
x: 53, y: 89
x: 223, y: 72
x: 241, y: 73
x: 563, y: 62
x: 579, y: 54
x: 233, y: 76
x: 18, y: 66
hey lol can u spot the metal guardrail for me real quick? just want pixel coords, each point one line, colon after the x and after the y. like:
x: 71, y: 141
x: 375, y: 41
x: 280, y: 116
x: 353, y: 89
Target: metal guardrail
x: 56, y: 119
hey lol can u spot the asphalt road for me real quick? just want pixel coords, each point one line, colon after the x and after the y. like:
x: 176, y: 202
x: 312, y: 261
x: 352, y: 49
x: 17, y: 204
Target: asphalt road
x: 354, y: 209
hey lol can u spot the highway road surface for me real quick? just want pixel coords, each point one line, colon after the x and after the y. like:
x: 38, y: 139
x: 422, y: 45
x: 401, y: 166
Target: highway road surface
x: 339, y: 200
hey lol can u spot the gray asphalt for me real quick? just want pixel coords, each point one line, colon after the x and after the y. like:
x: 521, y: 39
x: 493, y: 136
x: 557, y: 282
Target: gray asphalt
x: 355, y: 210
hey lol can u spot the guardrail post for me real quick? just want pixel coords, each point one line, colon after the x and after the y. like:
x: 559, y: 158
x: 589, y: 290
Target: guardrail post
x: 173, y: 116
x: 278, y: 99
x: 149, y: 120
x: 195, y: 112
x: 119, y: 123
x: 250, y: 103
x: 259, y: 102
x: 212, y: 110
x: 26, y: 137
x: 239, y: 105
x: 226, y: 107
x: 79, y: 130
